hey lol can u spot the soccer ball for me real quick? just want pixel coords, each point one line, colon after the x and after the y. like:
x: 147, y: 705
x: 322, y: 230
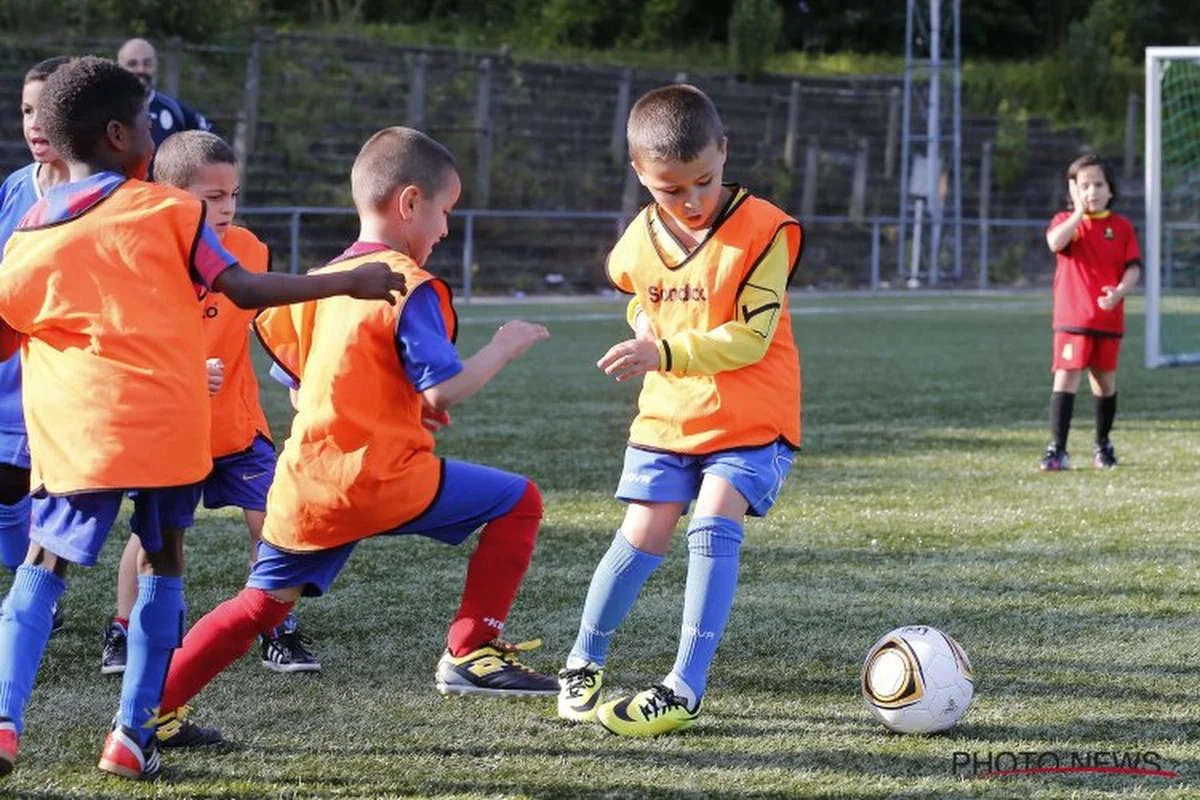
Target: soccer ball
x: 917, y: 679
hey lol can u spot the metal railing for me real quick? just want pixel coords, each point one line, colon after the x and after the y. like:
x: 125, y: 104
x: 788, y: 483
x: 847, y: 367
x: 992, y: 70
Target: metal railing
x: 876, y: 225
x: 295, y: 215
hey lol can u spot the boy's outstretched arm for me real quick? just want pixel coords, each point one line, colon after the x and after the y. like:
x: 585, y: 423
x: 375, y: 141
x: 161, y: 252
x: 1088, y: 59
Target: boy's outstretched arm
x: 509, y: 343
x: 253, y: 290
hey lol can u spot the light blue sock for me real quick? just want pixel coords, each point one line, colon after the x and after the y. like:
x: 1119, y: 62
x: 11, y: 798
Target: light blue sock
x: 615, y: 586
x: 14, y: 532
x: 713, y: 544
x: 155, y: 630
x: 24, y: 630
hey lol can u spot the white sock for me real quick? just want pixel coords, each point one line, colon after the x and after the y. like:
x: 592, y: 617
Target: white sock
x: 677, y: 685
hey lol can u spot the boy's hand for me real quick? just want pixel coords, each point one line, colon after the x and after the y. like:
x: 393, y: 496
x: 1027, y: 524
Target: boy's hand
x: 433, y: 419
x: 630, y: 358
x: 216, y: 374
x: 376, y: 281
x: 518, y: 336
x: 1110, y: 298
x: 1078, y: 205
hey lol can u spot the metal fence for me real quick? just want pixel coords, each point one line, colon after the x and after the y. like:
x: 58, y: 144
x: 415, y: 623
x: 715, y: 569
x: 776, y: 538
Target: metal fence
x: 849, y: 234
x: 295, y: 222
x: 534, y: 250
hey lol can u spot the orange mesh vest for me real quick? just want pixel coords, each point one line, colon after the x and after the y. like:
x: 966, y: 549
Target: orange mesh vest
x: 113, y: 362
x: 696, y: 414
x: 358, y: 461
x: 237, y: 415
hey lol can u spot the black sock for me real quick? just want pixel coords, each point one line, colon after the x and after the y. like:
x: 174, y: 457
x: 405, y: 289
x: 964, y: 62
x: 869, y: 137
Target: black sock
x: 1062, y: 406
x: 1106, y: 411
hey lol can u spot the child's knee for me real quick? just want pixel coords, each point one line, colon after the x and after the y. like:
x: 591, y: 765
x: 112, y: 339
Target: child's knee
x: 1104, y: 382
x: 530, y: 504
x: 714, y: 537
x: 267, y: 609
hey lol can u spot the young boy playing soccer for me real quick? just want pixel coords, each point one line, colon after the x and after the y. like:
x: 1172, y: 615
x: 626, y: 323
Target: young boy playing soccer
x: 359, y: 461
x: 98, y: 289
x: 243, y: 456
x: 719, y: 412
x: 18, y: 194
x: 1098, y: 262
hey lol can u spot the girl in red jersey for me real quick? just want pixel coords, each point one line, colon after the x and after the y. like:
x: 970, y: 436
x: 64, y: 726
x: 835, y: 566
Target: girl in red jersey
x: 1097, y: 263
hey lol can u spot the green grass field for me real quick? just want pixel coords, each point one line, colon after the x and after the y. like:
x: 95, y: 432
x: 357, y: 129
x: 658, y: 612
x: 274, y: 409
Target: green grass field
x: 916, y: 500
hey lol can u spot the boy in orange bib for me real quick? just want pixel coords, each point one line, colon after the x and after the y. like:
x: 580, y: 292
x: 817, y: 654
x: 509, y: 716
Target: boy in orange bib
x: 359, y: 461
x: 718, y: 419
x: 243, y: 456
x: 99, y: 291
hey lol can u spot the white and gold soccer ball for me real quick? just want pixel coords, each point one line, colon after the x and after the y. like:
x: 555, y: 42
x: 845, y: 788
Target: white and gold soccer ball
x: 917, y: 679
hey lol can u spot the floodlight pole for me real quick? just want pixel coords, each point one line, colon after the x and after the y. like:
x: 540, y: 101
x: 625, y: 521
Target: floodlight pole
x: 930, y: 31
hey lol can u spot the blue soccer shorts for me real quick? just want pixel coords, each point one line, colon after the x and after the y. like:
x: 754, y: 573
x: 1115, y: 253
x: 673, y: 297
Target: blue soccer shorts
x: 757, y: 473
x: 76, y: 526
x: 470, y: 497
x: 240, y: 480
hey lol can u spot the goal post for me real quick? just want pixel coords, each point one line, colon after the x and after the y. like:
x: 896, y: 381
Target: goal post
x: 1172, y: 233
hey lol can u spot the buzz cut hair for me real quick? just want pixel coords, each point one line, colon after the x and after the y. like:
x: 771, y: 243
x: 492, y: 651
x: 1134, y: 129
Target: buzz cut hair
x: 44, y: 69
x: 672, y: 123
x: 394, y: 158
x: 183, y: 154
x: 81, y: 97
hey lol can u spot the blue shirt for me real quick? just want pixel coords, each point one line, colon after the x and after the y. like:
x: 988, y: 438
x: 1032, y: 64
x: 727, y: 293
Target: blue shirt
x: 426, y: 352
x: 168, y: 115
x: 18, y: 194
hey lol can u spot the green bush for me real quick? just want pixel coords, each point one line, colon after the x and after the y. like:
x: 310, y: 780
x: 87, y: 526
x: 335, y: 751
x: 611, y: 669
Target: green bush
x: 1010, y: 154
x: 195, y: 22
x: 754, y: 28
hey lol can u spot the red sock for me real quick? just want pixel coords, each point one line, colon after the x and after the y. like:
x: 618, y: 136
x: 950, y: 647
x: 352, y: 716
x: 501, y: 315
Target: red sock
x: 494, y: 573
x: 124, y: 623
x: 219, y: 638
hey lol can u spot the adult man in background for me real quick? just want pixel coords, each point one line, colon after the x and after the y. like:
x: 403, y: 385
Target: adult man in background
x: 167, y: 115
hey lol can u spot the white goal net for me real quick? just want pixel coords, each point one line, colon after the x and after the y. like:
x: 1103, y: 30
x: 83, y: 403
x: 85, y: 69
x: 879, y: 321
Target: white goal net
x: 1172, y: 235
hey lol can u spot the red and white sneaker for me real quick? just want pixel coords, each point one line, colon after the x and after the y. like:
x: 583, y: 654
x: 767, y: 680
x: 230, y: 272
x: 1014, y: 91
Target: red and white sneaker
x: 125, y: 757
x: 8, y: 746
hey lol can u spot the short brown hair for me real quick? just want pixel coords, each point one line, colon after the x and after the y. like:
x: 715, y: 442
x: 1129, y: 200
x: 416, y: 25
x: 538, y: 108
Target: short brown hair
x: 673, y: 123
x: 182, y: 154
x: 396, y: 157
x: 44, y: 69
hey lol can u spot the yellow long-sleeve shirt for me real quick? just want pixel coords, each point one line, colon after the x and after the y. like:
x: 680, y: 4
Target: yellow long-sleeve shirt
x: 737, y: 343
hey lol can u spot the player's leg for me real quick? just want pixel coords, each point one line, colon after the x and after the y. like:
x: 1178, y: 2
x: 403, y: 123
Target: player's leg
x: 15, y: 505
x: 735, y: 482
x: 226, y: 633
x: 242, y: 480
x: 508, y: 507
x: 64, y: 530
x: 1071, y: 352
x: 116, y: 636
x: 156, y: 623
x: 1103, y: 378
x: 284, y: 648
x: 25, y: 623
x: 656, y: 487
